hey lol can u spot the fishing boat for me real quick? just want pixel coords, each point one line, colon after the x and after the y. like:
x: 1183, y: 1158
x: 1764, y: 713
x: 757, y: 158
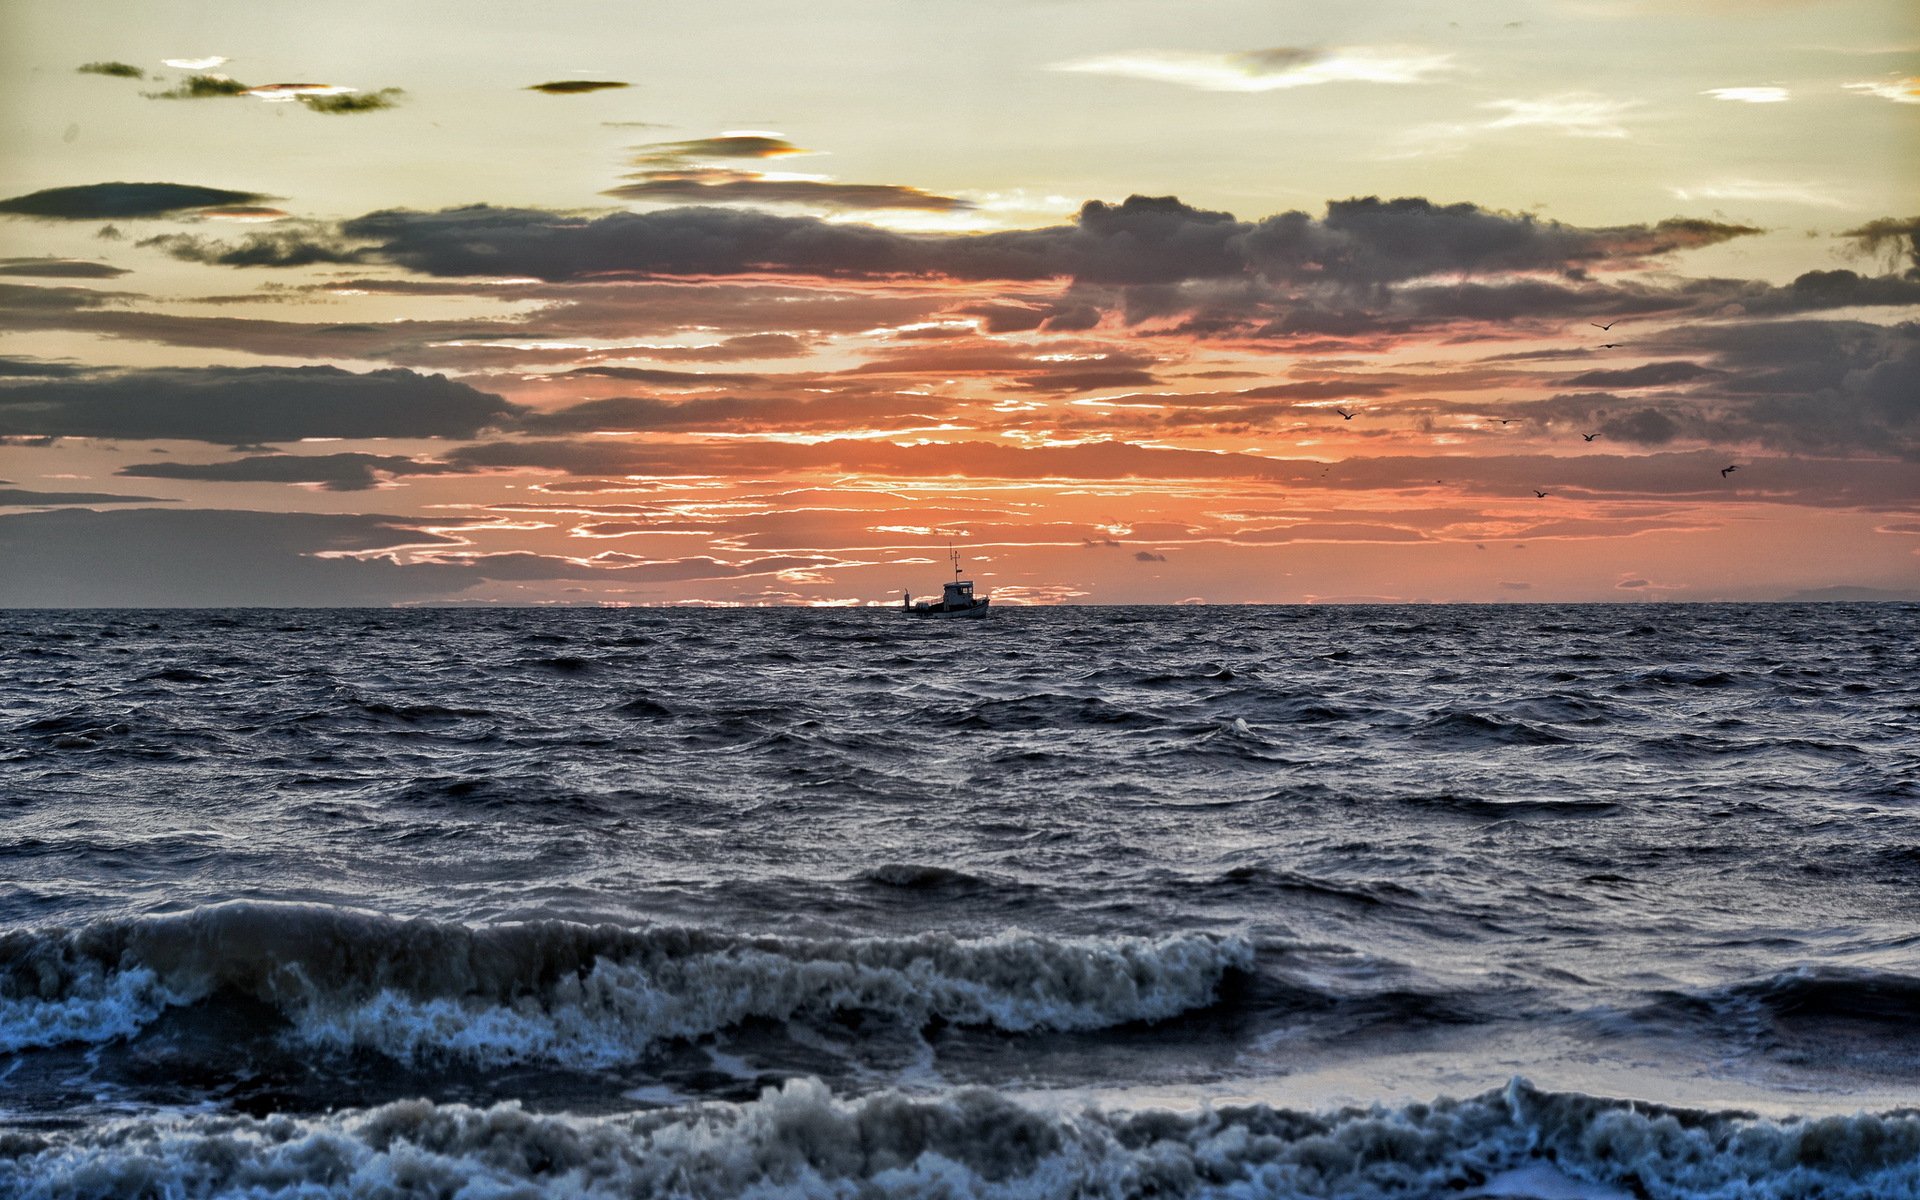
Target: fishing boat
x: 956, y: 598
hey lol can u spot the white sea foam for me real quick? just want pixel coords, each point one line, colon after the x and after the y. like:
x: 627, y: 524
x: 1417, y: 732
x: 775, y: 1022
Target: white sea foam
x: 570, y: 994
x: 800, y: 1141
x: 98, y: 1007
x: 618, y: 1010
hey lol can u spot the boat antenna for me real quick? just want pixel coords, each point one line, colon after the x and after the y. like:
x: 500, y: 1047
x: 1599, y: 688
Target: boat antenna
x: 955, y: 556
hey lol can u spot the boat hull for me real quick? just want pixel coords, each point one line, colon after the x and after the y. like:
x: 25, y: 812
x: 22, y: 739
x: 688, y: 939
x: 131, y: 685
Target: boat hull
x: 977, y: 609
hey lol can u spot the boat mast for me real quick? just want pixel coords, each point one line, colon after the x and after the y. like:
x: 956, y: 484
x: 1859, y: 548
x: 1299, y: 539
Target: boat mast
x: 955, y: 556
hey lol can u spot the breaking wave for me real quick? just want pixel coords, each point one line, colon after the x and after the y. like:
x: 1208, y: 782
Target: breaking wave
x: 571, y: 994
x: 801, y: 1141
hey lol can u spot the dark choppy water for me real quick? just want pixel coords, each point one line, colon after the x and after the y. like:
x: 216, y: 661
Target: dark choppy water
x: 1067, y: 902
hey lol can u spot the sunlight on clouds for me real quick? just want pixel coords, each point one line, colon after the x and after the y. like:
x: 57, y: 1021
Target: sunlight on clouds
x: 285, y: 93
x: 1757, y: 190
x: 1749, y: 95
x: 196, y: 64
x: 1576, y: 115
x: 1900, y: 91
x: 1571, y: 115
x: 1267, y: 70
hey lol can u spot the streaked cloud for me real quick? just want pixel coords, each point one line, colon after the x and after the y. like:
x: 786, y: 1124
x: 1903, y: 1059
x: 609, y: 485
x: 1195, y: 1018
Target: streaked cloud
x: 24, y: 498
x: 201, y: 87
x: 683, y: 170
x: 710, y: 186
x: 345, y: 472
x: 287, y: 93
x: 118, y: 70
x: 1267, y: 70
x: 1900, y: 91
x: 1574, y: 114
x: 1144, y: 240
x: 237, y: 406
x: 733, y: 144
x: 574, y: 87
x: 347, y: 104
x: 1762, y: 191
x: 59, y: 268
x: 1894, y: 235
x: 117, y: 201
x: 206, y: 63
x: 244, y: 213
x: 1750, y: 95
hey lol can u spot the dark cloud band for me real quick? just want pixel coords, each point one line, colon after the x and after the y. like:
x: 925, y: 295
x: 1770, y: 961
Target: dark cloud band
x: 1145, y: 240
x: 104, y: 201
x: 249, y: 405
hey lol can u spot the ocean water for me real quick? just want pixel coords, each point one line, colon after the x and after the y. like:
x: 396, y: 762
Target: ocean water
x: 1537, y: 901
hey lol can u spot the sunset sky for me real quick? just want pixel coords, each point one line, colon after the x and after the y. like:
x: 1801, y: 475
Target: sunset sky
x: 766, y: 303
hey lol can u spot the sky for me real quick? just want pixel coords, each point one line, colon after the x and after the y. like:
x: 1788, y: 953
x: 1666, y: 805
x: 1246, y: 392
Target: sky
x: 760, y: 303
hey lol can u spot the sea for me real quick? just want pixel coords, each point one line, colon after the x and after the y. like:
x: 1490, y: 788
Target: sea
x: 1607, y: 902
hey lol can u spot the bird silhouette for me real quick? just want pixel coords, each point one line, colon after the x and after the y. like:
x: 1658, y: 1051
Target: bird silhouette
x: 1537, y: 492
x: 1611, y: 345
x: 1728, y: 470
x: 1343, y: 412
x: 1607, y: 326
x: 1589, y: 436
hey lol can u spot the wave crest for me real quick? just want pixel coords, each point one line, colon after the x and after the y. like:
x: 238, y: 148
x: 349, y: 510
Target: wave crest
x: 572, y: 994
x: 799, y: 1140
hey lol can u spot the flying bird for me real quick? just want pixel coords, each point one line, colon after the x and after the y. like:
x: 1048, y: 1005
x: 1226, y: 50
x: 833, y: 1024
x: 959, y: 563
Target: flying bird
x: 1589, y: 436
x: 1607, y: 326
x: 1728, y: 470
x: 1537, y: 492
x: 1611, y: 345
x: 1343, y: 412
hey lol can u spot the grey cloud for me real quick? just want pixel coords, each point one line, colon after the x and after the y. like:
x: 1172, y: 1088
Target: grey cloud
x: 246, y: 405
x: 720, y: 187
x: 1146, y: 556
x: 349, y: 103
x: 750, y: 345
x: 201, y: 87
x: 101, y: 201
x: 674, y: 171
x: 733, y: 145
x: 119, y: 70
x: 22, y: 498
x: 1317, y: 389
x: 137, y: 558
x: 574, y: 87
x: 665, y: 378
x: 34, y: 369
x: 201, y: 558
x: 1898, y: 234
x: 348, y: 472
x: 300, y: 245
x: 1643, y: 427
x: 1838, y: 289
x: 15, y: 297
x: 782, y: 412
x: 1091, y: 460
x: 59, y: 268
x: 1655, y: 374
x: 1144, y: 240
x: 1806, y: 386
x: 1818, y: 385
